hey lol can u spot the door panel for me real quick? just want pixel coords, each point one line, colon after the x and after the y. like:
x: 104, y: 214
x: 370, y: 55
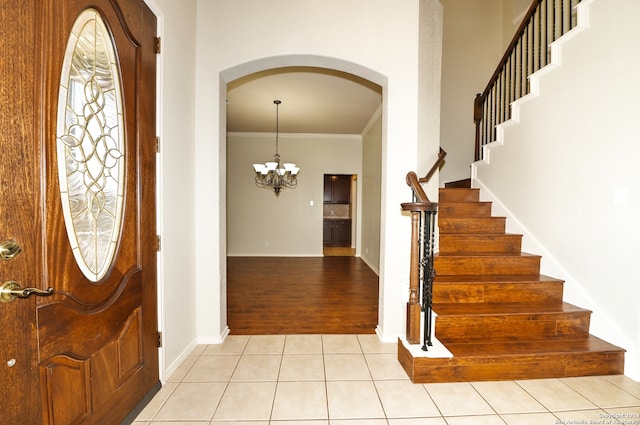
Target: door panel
x: 102, y: 335
x: 86, y: 354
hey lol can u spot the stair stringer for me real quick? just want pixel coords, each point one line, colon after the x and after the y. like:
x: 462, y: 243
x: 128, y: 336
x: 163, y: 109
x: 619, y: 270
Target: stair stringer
x: 601, y: 324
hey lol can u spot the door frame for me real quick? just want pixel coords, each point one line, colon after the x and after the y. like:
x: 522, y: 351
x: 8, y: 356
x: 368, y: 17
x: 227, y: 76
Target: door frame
x: 160, y: 31
x: 19, y: 184
x: 353, y: 210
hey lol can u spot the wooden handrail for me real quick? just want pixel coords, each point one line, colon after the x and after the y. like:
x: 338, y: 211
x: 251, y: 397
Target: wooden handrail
x: 416, y: 185
x: 436, y: 166
x: 418, y: 192
x: 544, y: 22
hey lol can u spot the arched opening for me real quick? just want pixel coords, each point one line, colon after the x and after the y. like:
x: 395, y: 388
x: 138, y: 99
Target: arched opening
x: 259, y: 223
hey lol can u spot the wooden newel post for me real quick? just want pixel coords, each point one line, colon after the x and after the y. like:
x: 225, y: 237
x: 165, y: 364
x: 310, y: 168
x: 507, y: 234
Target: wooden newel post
x: 478, y: 115
x: 413, y: 306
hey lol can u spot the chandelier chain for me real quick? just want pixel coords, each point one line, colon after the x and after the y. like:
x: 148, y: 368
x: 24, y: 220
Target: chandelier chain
x: 273, y: 174
x: 277, y: 102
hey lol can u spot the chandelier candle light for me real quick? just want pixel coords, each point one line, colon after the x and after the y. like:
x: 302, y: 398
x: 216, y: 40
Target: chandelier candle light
x: 274, y: 175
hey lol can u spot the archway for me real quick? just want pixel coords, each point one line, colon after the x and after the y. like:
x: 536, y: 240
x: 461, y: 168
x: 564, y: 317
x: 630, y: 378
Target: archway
x: 247, y: 71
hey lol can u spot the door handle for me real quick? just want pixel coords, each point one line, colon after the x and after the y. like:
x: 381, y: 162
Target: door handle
x: 10, y: 290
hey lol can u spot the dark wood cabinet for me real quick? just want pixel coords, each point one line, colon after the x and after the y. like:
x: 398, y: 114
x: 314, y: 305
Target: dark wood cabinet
x: 342, y: 232
x: 336, y: 232
x: 328, y: 189
x: 337, y: 189
x: 337, y: 197
x: 327, y: 232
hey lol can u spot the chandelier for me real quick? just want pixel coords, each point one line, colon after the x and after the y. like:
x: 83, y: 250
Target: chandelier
x: 274, y: 175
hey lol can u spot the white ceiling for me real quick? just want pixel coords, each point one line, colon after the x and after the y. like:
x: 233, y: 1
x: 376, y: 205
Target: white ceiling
x: 314, y: 100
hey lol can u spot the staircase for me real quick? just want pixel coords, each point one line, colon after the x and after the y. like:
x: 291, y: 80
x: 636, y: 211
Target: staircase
x: 499, y: 317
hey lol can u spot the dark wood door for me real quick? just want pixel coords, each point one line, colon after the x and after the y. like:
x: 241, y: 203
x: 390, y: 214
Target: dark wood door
x: 86, y: 354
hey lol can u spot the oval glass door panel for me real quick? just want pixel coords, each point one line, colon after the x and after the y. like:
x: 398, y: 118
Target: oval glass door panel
x: 90, y: 145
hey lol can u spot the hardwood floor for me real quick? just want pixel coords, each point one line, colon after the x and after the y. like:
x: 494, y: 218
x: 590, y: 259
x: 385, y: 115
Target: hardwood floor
x: 301, y: 295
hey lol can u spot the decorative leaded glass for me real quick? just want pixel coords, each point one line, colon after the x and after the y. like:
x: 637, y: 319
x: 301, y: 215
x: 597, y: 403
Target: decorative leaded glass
x: 91, y: 145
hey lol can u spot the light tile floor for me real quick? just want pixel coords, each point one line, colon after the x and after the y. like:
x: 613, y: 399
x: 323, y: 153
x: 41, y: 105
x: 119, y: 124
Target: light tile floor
x: 357, y: 380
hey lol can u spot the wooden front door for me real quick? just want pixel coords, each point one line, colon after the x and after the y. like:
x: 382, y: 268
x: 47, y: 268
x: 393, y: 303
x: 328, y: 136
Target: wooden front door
x: 77, y: 195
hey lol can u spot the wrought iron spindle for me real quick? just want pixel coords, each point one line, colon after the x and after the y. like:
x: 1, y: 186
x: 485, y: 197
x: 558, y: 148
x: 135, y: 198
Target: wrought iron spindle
x: 427, y: 273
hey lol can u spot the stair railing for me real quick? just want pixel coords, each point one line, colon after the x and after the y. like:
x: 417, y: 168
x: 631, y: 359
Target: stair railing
x: 422, y: 273
x: 529, y: 51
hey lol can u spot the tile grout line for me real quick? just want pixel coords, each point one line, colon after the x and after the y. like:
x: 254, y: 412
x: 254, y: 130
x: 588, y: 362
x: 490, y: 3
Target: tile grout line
x: 606, y: 378
x: 373, y: 381
x: 275, y: 391
x: 536, y: 399
x: 324, y: 372
x: 155, y: 414
x: 603, y: 408
x: 226, y: 384
x: 433, y: 401
x: 486, y: 401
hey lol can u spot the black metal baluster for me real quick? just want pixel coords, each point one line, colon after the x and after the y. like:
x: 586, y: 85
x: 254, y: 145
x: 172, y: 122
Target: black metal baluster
x: 427, y: 274
x: 562, y: 15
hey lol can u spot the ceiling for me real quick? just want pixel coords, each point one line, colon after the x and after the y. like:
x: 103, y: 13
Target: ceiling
x: 314, y: 100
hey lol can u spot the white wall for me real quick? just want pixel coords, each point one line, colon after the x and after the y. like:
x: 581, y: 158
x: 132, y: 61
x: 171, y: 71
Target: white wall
x: 566, y: 169
x: 375, y: 39
x: 261, y: 224
x: 205, y: 45
x: 429, y: 90
x: 512, y: 13
x: 370, y: 193
x: 176, y: 180
x: 472, y: 48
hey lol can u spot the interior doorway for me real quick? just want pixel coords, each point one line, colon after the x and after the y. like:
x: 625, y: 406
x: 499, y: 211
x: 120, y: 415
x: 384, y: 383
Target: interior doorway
x: 289, y: 227
x: 339, y: 215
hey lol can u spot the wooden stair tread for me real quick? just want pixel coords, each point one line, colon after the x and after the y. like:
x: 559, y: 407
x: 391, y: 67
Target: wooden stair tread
x: 531, y: 348
x: 485, y: 309
x: 491, y: 361
x: 464, y: 209
x: 465, y: 218
x: 485, y: 254
x: 505, y: 278
x: 453, y: 243
x: 501, y: 289
x: 489, y: 263
x: 471, y: 225
x: 464, y: 323
x: 478, y: 235
x: 459, y: 193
